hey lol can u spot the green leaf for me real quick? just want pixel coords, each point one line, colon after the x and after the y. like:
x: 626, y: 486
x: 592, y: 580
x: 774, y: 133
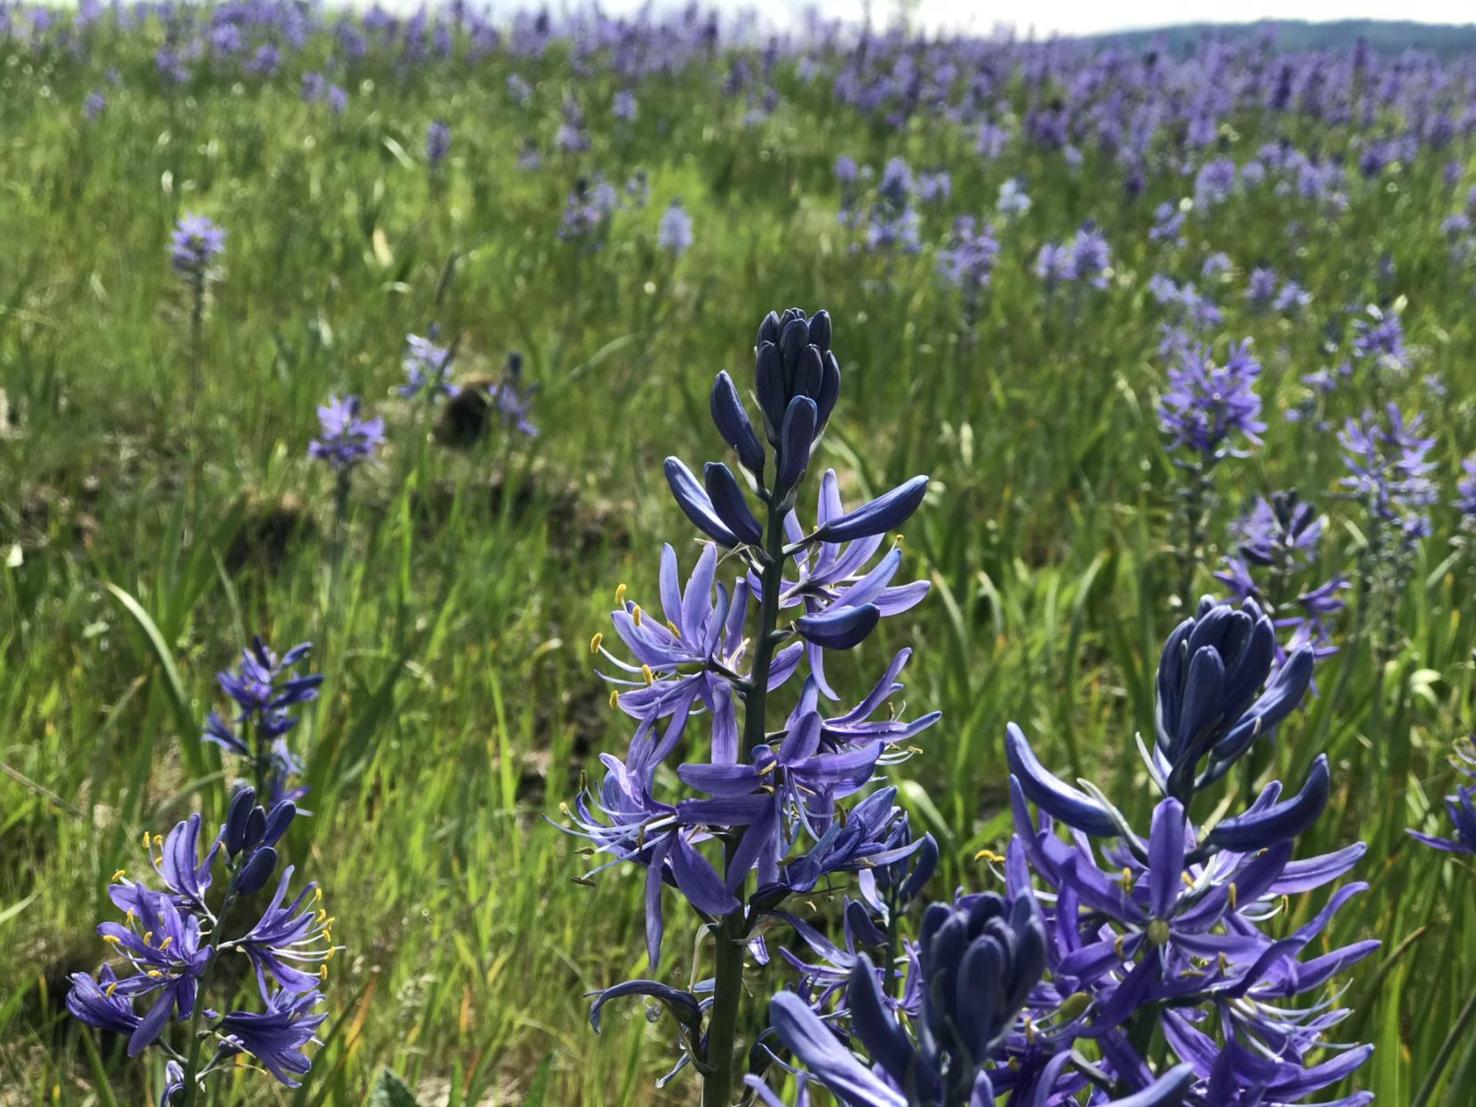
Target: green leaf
x: 173, y: 685
x: 391, y: 1091
x: 538, y: 1089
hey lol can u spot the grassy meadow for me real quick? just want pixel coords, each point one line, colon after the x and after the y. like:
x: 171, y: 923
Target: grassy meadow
x: 147, y: 532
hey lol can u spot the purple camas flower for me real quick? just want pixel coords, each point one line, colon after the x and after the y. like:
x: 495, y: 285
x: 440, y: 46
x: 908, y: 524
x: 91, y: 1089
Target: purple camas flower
x: 675, y: 232
x: 762, y: 809
x: 1012, y: 201
x: 1387, y: 464
x: 1278, y: 542
x: 344, y: 440
x: 195, y: 247
x: 1214, y: 184
x: 157, y: 984
x: 624, y: 106
x: 437, y: 143
x: 1084, y: 259
x: 1466, y: 492
x: 1460, y: 807
x: 587, y: 213
x: 426, y: 366
x: 94, y: 105
x: 967, y: 262
x: 1208, y: 406
x: 1176, y: 927
x: 265, y: 694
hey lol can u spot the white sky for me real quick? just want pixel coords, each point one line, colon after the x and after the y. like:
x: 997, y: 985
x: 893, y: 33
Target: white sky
x: 1087, y: 16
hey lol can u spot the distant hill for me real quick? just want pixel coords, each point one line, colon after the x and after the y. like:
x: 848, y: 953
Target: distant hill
x: 1387, y: 36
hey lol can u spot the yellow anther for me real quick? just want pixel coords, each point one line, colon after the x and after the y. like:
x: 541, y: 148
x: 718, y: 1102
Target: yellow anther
x: 332, y: 952
x: 148, y: 937
x: 1117, y: 946
x: 119, y: 875
x: 146, y: 841
x: 635, y: 614
x: 154, y: 974
x: 647, y: 672
x: 323, y: 973
x: 620, y: 596
x: 112, y: 939
x: 614, y: 699
x: 673, y: 628
x: 1187, y: 879
x: 595, y: 643
x: 990, y: 856
x: 113, y: 987
x: 1127, y: 878
x: 165, y: 943
x: 159, y: 840
x: 1234, y: 897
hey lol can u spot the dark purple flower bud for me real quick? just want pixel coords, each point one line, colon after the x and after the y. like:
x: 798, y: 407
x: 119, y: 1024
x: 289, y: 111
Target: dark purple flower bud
x: 792, y: 342
x: 820, y: 330
x: 769, y: 383
x: 880, y: 515
x: 769, y: 329
x: 795, y: 438
x: 829, y: 389
x: 256, y: 872
x: 277, y: 822
x: 731, y: 419
x: 808, y: 373
x: 729, y: 504
x: 242, y: 804
x: 839, y: 628
x: 691, y: 498
x: 1280, y: 821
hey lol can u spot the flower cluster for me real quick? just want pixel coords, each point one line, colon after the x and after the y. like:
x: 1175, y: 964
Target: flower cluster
x: 195, y: 248
x: 587, y: 213
x: 772, y: 803
x: 265, y: 693
x: 166, y: 952
x: 1178, y: 928
x: 437, y: 143
x: 1084, y: 259
x: 674, y: 235
x: 1277, y: 544
x: 967, y: 261
x: 344, y: 439
x: 427, y: 366
x: 1207, y: 406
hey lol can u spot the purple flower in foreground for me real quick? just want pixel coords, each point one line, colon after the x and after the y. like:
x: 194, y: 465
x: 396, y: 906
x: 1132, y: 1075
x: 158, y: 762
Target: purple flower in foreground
x: 345, y: 440
x: 156, y: 985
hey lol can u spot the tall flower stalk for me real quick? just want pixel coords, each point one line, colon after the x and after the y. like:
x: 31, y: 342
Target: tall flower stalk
x: 779, y: 801
x: 1207, y: 408
x: 195, y: 248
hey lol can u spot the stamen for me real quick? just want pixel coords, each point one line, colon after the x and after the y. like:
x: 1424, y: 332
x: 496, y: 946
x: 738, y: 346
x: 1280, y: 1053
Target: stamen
x: 620, y: 595
x: 596, y: 642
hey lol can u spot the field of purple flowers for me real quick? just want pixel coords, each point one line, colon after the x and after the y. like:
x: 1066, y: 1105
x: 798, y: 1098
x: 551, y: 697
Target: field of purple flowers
x: 466, y: 640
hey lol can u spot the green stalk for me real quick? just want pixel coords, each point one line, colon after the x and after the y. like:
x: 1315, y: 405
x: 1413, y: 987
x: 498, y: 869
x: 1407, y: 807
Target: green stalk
x: 1196, y: 500
x: 1448, y: 1047
x: 722, y: 1026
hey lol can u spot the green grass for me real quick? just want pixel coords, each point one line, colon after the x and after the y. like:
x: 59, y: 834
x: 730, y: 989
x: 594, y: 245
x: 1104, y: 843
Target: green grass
x: 461, y: 705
